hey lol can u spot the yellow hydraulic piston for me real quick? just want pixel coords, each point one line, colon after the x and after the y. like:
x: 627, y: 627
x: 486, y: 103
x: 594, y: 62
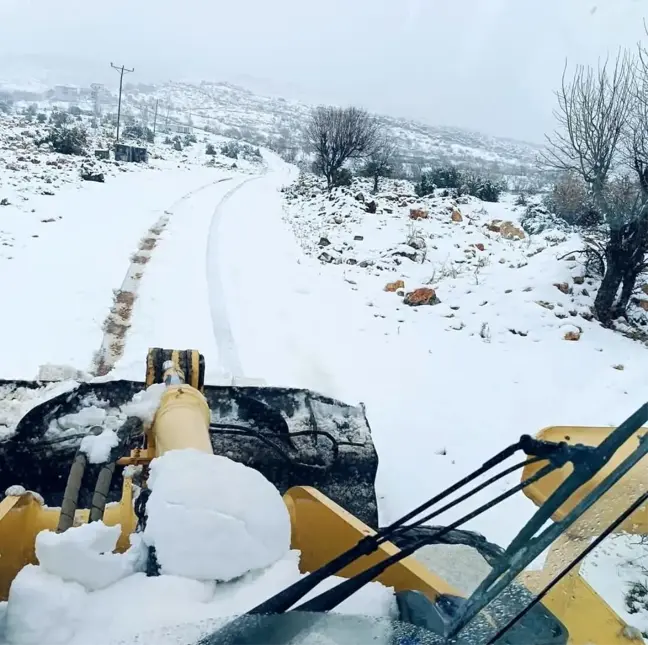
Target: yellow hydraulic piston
x: 182, y: 419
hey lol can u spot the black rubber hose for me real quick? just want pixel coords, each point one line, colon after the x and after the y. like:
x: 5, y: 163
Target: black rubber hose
x: 131, y: 428
x: 71, y: 494
x: 100, y: 495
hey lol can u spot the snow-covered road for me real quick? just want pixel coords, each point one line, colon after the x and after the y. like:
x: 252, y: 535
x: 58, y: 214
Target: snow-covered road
x: 58, y: 285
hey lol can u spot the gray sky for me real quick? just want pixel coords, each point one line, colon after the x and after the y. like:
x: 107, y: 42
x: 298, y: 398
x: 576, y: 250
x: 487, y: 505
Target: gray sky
x: 489, y: 65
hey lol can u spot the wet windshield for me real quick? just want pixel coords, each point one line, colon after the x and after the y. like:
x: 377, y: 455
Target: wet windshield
x: 295, y: 629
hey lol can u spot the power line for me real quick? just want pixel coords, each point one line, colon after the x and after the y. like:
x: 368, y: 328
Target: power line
x: 121, y: 71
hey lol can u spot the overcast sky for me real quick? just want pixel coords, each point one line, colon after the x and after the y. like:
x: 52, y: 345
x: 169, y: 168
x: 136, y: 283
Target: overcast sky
x: 489, y: 65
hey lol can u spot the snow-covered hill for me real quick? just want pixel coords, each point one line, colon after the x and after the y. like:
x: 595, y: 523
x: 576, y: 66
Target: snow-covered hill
x: 265, y: 120
x: 275, y: 122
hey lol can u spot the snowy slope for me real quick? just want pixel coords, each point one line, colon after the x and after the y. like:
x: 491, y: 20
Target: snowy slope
x: 450, y: 384
x: 235, y: 111
x: 276, y: 122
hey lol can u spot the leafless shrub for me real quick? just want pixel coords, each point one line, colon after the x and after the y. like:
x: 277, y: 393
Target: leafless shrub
x: 337, y: 135
x: 602, y: 139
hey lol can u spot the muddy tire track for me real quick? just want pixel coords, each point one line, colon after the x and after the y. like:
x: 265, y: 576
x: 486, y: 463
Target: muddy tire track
x: 118, y: 321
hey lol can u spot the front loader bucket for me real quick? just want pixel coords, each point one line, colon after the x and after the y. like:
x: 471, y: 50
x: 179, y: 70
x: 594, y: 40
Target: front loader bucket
x: 339, y: 460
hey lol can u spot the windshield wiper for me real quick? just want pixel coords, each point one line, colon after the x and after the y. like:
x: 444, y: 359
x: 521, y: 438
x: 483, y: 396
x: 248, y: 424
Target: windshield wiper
x: 557, y: 453
x: 286, y: 598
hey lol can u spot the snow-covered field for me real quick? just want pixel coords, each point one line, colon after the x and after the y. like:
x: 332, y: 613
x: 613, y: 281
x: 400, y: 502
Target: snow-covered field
x: 272, y: 279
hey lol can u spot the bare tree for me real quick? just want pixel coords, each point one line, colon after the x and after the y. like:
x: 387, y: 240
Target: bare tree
x: 596, y: 110
x: 380, y: 162
x: 337, y: 135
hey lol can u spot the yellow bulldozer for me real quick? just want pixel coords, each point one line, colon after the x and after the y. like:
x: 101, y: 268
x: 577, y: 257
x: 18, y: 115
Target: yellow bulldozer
x: 587, y: 482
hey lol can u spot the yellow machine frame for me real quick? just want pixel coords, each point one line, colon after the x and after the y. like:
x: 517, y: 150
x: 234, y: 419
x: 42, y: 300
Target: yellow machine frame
x: 321, y: 529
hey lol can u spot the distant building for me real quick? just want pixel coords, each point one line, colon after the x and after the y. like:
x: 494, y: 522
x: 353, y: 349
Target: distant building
x: 64, y: 93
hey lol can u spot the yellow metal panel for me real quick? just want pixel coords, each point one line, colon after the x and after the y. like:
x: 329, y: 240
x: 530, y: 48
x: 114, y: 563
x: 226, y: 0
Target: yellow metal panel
x: 588, y: 618
x: 321, y: 530
x: 614, y: 502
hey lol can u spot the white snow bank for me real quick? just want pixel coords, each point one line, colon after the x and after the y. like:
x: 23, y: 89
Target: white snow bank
x: 164, y: 609
x: 50, y: 372
x: 84, y: 554
x: 211, y: 518
x: 42, y: 608
x: 145, y: 403
x: 15, y: 402
x: 98, y: 447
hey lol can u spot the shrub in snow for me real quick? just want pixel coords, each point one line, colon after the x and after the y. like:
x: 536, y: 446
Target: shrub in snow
x: 571, y: 200
x: 236, y: 150
x: 210, y: 150
x: 488, y: 190
x: 41, y: 118
x: 342, y: 177
x: 58, y: 118
x: 210, y: 518
x: 230, y: 150
x: 136, y: 131
x: 537, y: 219
x: 459, y: 183
x: 448, y: 177
x: 521, y: 200
x: 67, y: 139
x: 380, y: 162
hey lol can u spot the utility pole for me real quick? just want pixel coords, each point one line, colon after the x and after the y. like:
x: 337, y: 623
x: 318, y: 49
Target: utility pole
x: 96, y: 88
x: 155, y: 117
x: 121, y: 71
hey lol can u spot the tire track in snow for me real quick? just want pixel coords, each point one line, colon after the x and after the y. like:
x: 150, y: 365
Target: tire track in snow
x: 118, y: 320
x: 227, y: 350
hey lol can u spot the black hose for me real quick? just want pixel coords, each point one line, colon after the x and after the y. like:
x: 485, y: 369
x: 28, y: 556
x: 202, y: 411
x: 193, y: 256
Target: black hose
x: 267, y: 439
x: 71, y: 494
x: 100, y: 495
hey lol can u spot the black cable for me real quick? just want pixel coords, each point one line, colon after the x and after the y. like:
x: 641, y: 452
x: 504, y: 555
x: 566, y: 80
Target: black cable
x: 581, y: 556
x: 265, y: 437
x: 260, y: 436
x: 333, y: 597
